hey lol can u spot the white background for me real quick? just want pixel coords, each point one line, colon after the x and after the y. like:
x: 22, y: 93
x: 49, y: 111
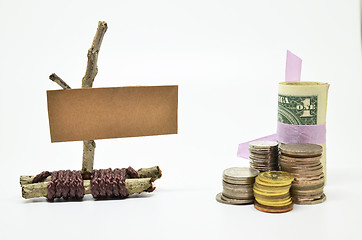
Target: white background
x: 227, y: 58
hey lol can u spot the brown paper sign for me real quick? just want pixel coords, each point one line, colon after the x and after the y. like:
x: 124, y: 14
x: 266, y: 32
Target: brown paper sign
x: 99, y: 113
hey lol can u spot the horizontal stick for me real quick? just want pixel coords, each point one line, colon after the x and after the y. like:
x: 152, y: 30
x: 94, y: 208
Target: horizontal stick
x: 153, y: 172
x: 134, y: 185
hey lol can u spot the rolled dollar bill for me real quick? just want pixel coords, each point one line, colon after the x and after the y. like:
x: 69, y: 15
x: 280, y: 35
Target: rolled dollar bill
x: 302, y: 108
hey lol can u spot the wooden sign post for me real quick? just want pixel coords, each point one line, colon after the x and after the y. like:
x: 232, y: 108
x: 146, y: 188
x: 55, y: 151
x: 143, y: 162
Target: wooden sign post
x: 97, y: 113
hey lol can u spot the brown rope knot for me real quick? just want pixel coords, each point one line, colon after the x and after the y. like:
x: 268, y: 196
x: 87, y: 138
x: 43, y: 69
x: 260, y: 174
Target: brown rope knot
x: 66, y: 184
x: 105, y: 183
x: 108, y: 183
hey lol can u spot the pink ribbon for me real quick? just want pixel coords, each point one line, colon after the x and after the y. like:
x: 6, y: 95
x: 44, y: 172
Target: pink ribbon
x: 293, y: 67
x: 292, y: 73
x: 243, y: 150
x: 287, y: 133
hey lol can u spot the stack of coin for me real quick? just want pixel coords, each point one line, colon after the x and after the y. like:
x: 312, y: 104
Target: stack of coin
x: 264, y: 155
x: 238, y: 186
x: 303, y: 161
x: 271, y: 192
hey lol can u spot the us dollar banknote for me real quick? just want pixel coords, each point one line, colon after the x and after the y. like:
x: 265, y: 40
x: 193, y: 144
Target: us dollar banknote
x: 302, y: 110
x: 297, y: 110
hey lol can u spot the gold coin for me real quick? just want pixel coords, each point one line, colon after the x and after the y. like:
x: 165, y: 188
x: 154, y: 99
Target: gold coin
x: 266, y: 184
x: 256, y: 195
x: 274, y: 200
x: 270, y: 209
x: 275, y: 204
x: 276, y: 177
x: 271, y: 189
x: 263, y: 193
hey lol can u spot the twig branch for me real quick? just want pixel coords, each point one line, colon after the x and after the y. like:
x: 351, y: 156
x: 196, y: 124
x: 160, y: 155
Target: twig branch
x: 89, y: 147
x: 59, y: 81
x: 153, y: 172
x: 87, y: 82
x: 92, y: 69
x: 135, y: 185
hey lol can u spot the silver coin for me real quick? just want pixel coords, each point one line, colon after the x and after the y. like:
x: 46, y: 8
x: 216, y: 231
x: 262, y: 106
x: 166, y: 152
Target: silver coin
x: 261, y: 160
x: 245, y: 187
x: 272, y: 151
x: 222, y: 199
x: 238, y: 197
x: 264, y: 168
x: 238, y: 193
x: 266, y: 164
x: 240, y: 173
x: 263, y: 145
x: 246, y: 181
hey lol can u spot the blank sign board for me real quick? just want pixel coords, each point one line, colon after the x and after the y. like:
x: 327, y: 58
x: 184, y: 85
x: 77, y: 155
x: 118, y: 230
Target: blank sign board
x: 100, y: 113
